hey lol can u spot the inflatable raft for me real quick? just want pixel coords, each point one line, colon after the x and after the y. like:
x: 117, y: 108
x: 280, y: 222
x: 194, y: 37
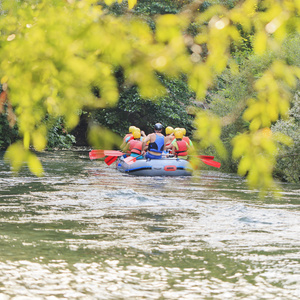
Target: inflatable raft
x: 156, y: 167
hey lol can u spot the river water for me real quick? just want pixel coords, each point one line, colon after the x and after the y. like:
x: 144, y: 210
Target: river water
x: 86, y: 231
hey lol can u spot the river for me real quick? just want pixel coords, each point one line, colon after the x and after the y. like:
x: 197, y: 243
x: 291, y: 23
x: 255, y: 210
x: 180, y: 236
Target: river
x: 86, y: 231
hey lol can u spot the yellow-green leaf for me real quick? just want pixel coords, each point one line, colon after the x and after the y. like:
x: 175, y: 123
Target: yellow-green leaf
x: 15, y: 155
x: 34, y: 165
x: 131, y: 3
x: 109, y: 2
x: 260, y: 42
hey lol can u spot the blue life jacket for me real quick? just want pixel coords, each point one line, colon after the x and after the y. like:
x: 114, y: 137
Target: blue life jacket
x: 158, y: 144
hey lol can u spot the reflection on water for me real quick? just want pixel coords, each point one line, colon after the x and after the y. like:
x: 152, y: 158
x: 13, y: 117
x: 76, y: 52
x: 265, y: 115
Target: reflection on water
x: 87, y: 231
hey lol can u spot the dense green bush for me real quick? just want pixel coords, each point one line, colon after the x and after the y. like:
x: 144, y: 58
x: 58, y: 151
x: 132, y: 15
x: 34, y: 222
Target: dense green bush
x: 288, y: 163
x: 58, y: 136
x: 8, y: 135
x: 146, y: 8
x: 170, y: 110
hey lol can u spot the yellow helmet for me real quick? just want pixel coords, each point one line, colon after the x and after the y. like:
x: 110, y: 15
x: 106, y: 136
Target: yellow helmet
x: 178, y: 133
x: 183, y: 131
x: 169, y: 130
x: 136, y: 134
x: 131, y: 129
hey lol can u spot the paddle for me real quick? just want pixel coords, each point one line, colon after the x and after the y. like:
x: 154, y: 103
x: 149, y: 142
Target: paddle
x: 211, y: 162
x: 112, y: 156
x: 95, y: 154
x: 113, y: 153
x: 205, y: 156
x: 201, y: 156
x: 130, y: 159
x: 110, y: 159
x: 207, y: 159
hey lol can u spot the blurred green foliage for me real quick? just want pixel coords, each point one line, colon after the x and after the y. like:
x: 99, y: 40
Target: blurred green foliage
x: 228, y: 100
x: 61, y: 57
x: 288, y: 161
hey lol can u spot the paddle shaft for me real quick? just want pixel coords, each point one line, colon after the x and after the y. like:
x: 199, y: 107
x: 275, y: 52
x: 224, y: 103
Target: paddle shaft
x: 96, y: 154
x: 130, y: 159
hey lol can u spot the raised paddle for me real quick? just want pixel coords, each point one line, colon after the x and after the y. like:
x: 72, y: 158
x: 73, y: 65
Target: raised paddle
x: 208, y: 160
x: 96, y: 154
x: 211, y: 162
x: 110, y: 159
x: 205, y: 156
x: 113, y: 153
x: 130, y: 159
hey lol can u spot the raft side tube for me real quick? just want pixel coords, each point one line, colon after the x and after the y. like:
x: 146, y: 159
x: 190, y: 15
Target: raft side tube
x: 156, y: 167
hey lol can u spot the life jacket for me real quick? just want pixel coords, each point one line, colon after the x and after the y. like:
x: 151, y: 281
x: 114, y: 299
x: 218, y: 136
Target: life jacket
x: 128, y: 135
x: 186, y: 139
x: 158, y: 145
x: 182, y: 148
x: 173, y: 137
x: 135, y: 146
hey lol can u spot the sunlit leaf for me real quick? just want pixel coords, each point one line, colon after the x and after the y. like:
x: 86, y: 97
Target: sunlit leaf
x: 200, y: 79
x: 260, y: 43
x: 4, y: 79
x: 39, y: 139
x: 131, y: 3
x: 244, y: 166
x: 102, y: 138
x: 26, y: 140
x: 109, y: 2
x: 15, y: 155
x: 34, y: 164
x: 241, y: 144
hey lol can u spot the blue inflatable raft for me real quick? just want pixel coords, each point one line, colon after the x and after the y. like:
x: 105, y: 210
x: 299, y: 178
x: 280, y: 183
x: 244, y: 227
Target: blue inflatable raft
x: 156, y: 167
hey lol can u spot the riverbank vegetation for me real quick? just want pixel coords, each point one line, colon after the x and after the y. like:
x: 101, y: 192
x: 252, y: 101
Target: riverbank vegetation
x: 228, y: 71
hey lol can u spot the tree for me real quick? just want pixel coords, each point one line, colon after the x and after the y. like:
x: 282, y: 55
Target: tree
x: 170, y: 110
x: 54, y: 53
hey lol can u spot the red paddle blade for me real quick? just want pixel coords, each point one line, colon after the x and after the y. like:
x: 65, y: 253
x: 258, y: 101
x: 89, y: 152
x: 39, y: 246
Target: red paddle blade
x: 212, y: 163
x: 113, y: 153
x: 206, y: 156
x: 110, y: 159
x: 95, y: 154
x: 130, y: 160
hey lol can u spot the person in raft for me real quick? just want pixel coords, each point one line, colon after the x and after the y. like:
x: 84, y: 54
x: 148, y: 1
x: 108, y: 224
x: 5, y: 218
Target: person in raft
x: 134, y: 147
x: 186, y: 138
x: 156, y: 141
x: 128, y: 136
x: 180, y: 147
x: 169, y: 137
x: 169, y: 145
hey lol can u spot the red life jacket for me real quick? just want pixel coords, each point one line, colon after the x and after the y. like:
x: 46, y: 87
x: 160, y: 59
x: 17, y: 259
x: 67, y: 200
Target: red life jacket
x: 135, y: 146
x: 128, y: 135
x: 182, y: 148
x: 187, y: 139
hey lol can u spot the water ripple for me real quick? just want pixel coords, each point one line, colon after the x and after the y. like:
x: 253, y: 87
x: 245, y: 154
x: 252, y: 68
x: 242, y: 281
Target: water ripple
x: 85, y: 231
